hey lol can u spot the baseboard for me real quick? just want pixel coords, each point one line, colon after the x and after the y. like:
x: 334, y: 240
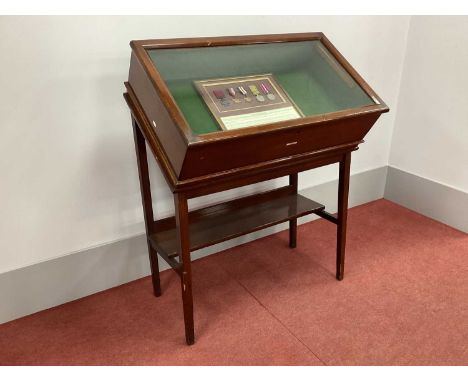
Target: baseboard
x: 427, y: 197
x: 44, y: 285
x: 37, y: 287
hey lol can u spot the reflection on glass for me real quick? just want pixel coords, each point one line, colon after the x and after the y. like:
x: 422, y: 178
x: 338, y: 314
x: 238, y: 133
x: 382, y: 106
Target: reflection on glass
x: 306, y: 71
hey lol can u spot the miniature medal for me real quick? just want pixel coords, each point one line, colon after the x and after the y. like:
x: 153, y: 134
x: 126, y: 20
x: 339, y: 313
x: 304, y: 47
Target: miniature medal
x: 219, y: 94
x: 256, y: 93
x: 232, y: 93
x: 244, y: 93
x: 267, y: 91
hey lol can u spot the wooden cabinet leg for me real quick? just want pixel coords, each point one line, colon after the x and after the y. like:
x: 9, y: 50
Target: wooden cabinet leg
x: 292, y: 233
x: 181, y: 215
x: 142, y: 161
x: 293, y: 222
x: 154, y: 264
x: 343, y: 190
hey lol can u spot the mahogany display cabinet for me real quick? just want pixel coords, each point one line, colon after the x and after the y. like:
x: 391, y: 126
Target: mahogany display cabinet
x: 224, y: 112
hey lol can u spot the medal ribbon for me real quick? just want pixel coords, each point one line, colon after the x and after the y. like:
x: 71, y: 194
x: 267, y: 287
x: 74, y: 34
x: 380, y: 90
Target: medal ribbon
x: 219, y: 94
x: 264, y: 88
x: 242, y: 90
x: 254, y: 90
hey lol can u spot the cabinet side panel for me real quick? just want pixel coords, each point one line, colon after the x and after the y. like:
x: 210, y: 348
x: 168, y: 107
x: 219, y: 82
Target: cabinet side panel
x: 166, y: 130
x: 282, y: 144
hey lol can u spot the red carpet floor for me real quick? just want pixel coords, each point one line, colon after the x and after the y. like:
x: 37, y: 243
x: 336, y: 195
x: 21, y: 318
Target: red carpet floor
x: 404, y: 301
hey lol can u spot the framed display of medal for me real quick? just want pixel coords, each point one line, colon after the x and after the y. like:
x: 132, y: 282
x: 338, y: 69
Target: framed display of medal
x: 238, y: 102
x: 206, y: 98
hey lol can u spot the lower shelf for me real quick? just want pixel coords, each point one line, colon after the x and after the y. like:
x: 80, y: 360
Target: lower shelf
x: 212, y: 225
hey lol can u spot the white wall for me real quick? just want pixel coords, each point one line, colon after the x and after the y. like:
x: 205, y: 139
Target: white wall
x: 431, y: 130
x: 69, y: 179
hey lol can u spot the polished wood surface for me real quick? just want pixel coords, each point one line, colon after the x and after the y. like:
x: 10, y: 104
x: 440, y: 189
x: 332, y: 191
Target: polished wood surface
x: 212, y: 225
x: 293, y: 183
x: 183, y: 250
x: 194, y: 165
x: 343, y: 190
x: 235, y: 177
x: 159, y: 119
x: 142, y: 162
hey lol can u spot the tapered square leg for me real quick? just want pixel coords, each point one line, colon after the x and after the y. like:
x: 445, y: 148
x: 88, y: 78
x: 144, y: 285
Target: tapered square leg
x: 182, y: 228
x: 145, y: 187
x: 343, y: 190
x: 293, y: 180
x: 187, y: 300
x: 292, y: 233
x: 154, y: 263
